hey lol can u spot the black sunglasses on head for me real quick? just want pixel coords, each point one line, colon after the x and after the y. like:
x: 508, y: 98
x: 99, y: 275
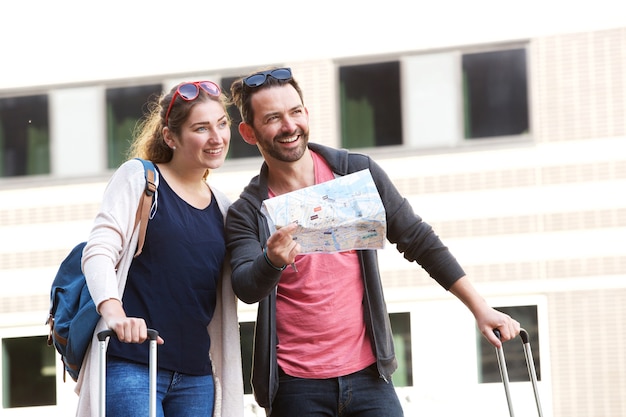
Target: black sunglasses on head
x: 258, y: 79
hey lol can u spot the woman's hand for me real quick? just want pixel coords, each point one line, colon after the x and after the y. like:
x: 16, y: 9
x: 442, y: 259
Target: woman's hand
x: 127, y: 329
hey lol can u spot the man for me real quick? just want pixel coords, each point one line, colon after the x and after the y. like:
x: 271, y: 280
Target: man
x: 323, y: 342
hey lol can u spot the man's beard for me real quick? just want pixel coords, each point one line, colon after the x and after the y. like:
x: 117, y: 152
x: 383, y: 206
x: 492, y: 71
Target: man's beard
x: 278, y: 153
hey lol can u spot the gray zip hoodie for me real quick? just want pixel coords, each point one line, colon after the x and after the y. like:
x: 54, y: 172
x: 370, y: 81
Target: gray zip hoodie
x: 254, y: 280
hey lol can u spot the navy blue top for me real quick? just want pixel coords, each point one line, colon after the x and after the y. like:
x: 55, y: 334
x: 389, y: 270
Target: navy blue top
x: 172, y: 283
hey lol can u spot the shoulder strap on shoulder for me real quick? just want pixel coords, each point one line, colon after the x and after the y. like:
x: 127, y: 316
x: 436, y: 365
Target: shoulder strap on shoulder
x: 143, y: 211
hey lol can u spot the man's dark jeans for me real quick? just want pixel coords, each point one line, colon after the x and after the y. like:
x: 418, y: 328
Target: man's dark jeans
x: 362, y: 394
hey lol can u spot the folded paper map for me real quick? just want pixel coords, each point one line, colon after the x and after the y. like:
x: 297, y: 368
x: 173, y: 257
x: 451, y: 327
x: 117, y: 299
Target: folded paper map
x: 338, y: 215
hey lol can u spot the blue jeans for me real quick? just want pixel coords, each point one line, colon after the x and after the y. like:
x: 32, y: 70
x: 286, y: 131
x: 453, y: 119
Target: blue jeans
x: 178, y: 395
x: 362, y: 394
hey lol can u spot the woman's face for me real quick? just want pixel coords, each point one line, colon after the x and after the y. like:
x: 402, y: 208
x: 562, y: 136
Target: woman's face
x: 204, y: 136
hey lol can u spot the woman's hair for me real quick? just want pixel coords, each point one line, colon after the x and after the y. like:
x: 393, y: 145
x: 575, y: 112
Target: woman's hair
x: 148, y: 142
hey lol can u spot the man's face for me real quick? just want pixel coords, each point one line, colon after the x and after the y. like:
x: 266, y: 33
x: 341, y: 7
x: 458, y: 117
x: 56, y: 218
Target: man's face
x: 281, y: 123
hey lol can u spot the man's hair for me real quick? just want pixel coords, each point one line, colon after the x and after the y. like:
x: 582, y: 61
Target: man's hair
x: 241, y: 94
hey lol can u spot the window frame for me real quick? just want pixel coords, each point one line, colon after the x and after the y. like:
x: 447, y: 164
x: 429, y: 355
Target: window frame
x: 32, y: 135
x: 116, y: 148
x: 495, y: 49
x: 456, y: 138
x: 66, y: 398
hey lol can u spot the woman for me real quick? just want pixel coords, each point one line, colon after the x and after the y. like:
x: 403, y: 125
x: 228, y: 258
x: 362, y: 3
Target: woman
x: 179, y: 284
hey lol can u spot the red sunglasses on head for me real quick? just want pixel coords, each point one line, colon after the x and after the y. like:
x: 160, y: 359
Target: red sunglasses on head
x: 190, y: 91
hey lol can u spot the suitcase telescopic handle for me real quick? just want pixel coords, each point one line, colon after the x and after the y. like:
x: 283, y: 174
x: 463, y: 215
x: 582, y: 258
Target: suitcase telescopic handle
x: 152, y: 334
x: 102, y: 336
x: 530, y: 365
x: 504, y: 373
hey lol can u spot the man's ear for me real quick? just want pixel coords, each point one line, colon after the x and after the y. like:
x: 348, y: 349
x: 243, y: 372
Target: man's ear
x: 247, y: 133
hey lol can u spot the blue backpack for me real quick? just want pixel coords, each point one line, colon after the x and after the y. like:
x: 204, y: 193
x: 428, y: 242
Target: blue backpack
x: 73, y: 317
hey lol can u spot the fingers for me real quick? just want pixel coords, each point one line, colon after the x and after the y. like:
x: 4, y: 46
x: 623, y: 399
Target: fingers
x: 494, y: 320
x: 491, y: 336
x: 506, y: 329
x: 127, y: 329
x: 281, y: 246
x: 284, y: 235
x: 130, y: 330
x: 509, y: 329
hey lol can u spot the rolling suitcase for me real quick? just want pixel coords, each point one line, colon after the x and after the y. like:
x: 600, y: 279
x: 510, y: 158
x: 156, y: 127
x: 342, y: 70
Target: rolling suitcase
x: 102, y: 336
x: 530, y: 365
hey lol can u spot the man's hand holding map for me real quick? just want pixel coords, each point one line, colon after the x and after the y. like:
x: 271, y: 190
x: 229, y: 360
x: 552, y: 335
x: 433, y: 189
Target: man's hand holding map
x: 339, y: 215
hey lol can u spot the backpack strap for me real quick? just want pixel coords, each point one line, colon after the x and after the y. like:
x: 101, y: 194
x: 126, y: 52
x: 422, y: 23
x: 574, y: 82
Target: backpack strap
x: 143, y: 211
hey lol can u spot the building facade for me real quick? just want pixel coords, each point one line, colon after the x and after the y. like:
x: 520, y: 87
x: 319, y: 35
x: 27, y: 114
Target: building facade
x: 515, y: 152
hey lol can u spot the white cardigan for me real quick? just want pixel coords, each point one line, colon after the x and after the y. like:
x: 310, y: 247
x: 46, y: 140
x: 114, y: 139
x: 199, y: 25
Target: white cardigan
x: 112, y: 234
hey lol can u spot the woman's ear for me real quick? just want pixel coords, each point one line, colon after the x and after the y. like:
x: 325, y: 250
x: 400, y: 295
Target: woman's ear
x: 247, y: 133
x: 168, y: 137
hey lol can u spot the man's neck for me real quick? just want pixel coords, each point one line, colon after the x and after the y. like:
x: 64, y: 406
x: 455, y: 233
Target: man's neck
x: 284, y: 177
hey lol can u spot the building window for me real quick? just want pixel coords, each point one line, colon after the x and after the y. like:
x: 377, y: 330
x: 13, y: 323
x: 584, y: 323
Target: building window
x: 495, y: 93
x: 488, y: 369
x: 24, y: 136
x: 28, y: 372
x: 238, y: 148
x: 401, y: 327
x: 445, y: 97
x: 125, y: 107
x: 370, y: 105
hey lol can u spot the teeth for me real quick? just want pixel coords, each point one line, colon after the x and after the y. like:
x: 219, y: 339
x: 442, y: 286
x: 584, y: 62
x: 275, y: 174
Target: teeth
x: 289, y: 140
x: 213, y: 151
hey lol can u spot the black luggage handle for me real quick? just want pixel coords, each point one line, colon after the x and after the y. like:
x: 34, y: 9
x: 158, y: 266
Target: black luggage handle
x: 523, y: 334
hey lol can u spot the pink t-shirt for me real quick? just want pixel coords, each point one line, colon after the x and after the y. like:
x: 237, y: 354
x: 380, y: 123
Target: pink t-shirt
x: 320, y: 321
